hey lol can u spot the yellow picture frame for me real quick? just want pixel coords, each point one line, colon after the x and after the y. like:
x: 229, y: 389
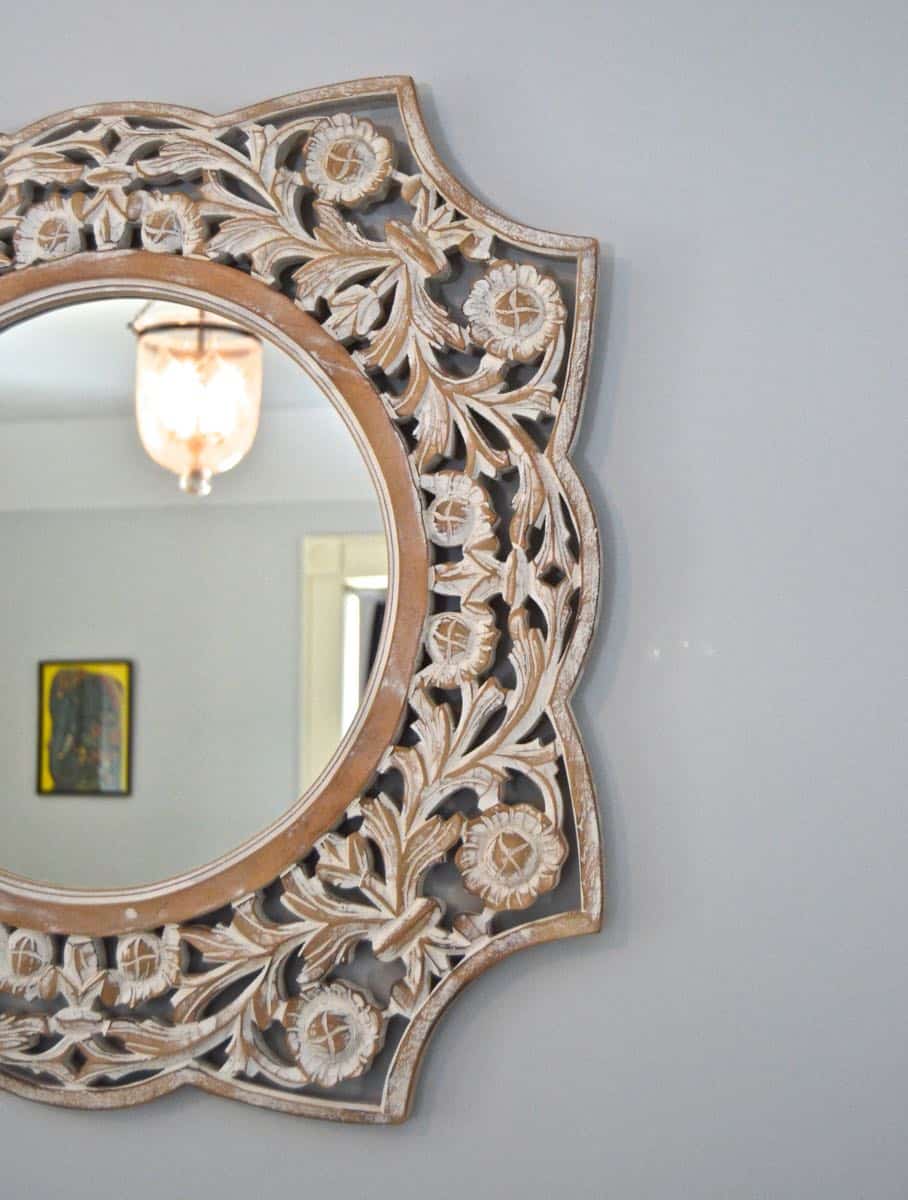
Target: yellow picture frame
x: 85, y: 727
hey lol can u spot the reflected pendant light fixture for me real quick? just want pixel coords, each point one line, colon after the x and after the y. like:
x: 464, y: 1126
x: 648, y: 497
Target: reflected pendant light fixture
x: 198, y: 391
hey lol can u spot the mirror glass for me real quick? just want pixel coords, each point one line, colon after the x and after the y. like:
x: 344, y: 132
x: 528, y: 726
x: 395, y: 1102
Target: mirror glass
x: 194, y: 579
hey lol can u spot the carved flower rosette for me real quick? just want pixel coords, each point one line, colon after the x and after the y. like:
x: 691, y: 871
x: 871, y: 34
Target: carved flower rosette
x: 478, y: 833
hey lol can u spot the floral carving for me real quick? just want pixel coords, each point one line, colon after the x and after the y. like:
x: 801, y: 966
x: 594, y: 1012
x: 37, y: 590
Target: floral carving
x: 27, y: 963
x: 460, y: 509
x: 348, y: 161
x: 147, y: 965
x: 511, y: 855
x: 169, y: 224
x: 47, y: 231
x: 461, y: 645
x: 514, y: 311
x: 335, y: 1031
x: 253, y: 1000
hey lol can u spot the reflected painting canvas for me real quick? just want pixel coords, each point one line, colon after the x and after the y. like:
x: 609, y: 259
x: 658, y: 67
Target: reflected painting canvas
x: 84, y: 728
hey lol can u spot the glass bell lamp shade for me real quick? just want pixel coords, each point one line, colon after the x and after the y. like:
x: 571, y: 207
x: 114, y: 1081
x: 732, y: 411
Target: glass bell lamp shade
x: 198, y: 391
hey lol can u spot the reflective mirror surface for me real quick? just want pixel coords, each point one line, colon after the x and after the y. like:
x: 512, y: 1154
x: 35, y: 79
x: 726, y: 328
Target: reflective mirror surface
x: 193, y: 590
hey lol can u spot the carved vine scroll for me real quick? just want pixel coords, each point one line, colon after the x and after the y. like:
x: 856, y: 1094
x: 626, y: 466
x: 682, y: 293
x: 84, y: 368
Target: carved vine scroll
x: 478, y: 835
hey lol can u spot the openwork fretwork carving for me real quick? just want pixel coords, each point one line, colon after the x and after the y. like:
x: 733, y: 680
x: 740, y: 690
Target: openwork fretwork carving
x: 478, y: 834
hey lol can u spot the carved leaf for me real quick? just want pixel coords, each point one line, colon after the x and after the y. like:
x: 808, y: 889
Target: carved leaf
x: 18, y: 1032
x: 39, y: 166
x: 199, y: 990
x: 435, y: 426
x: 187, y: 156
x: 427, y: 845
x: 528, y: 502
x: 264, y: 240
x: 354, y: 312
x: 333, y: 927
x: 247, y: 936
x: 246, y: 235
x: 346, y: 862
x: 150, y: 1039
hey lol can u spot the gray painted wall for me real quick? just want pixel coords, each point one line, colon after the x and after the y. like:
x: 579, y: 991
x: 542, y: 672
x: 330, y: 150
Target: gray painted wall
x: 739, y: 1030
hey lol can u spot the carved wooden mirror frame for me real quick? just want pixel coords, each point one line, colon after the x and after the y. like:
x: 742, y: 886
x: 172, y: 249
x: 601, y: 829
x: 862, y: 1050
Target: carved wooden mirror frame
x: 457, y: 821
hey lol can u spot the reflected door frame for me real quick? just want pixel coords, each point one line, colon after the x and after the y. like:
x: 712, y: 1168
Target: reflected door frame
x: 334, y: 568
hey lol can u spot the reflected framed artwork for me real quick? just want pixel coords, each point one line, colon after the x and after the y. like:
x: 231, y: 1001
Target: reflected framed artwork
x: 85, y: 727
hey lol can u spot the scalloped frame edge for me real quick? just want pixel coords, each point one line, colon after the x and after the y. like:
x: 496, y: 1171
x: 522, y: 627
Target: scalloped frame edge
x: 400, y: 1084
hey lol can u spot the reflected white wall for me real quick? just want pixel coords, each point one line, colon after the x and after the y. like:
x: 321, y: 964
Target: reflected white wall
x: 206, y: 601
x: 104, y: 557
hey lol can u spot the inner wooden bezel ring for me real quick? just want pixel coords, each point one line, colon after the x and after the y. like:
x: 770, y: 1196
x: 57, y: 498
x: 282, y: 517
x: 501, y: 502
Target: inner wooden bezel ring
x: 262, y: 858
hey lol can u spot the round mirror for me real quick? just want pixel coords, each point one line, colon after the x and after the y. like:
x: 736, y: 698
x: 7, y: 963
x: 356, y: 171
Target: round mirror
x: 194, y: 589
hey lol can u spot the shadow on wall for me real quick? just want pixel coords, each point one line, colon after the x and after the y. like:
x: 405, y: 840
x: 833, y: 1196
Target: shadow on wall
x: 610, y: 340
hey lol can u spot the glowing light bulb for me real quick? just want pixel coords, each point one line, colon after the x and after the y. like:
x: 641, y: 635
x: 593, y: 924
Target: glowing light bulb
x: 198, y: 392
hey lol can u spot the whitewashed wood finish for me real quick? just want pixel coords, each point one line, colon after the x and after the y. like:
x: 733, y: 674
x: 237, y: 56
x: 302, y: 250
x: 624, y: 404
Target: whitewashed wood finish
x: 116, y: 1022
